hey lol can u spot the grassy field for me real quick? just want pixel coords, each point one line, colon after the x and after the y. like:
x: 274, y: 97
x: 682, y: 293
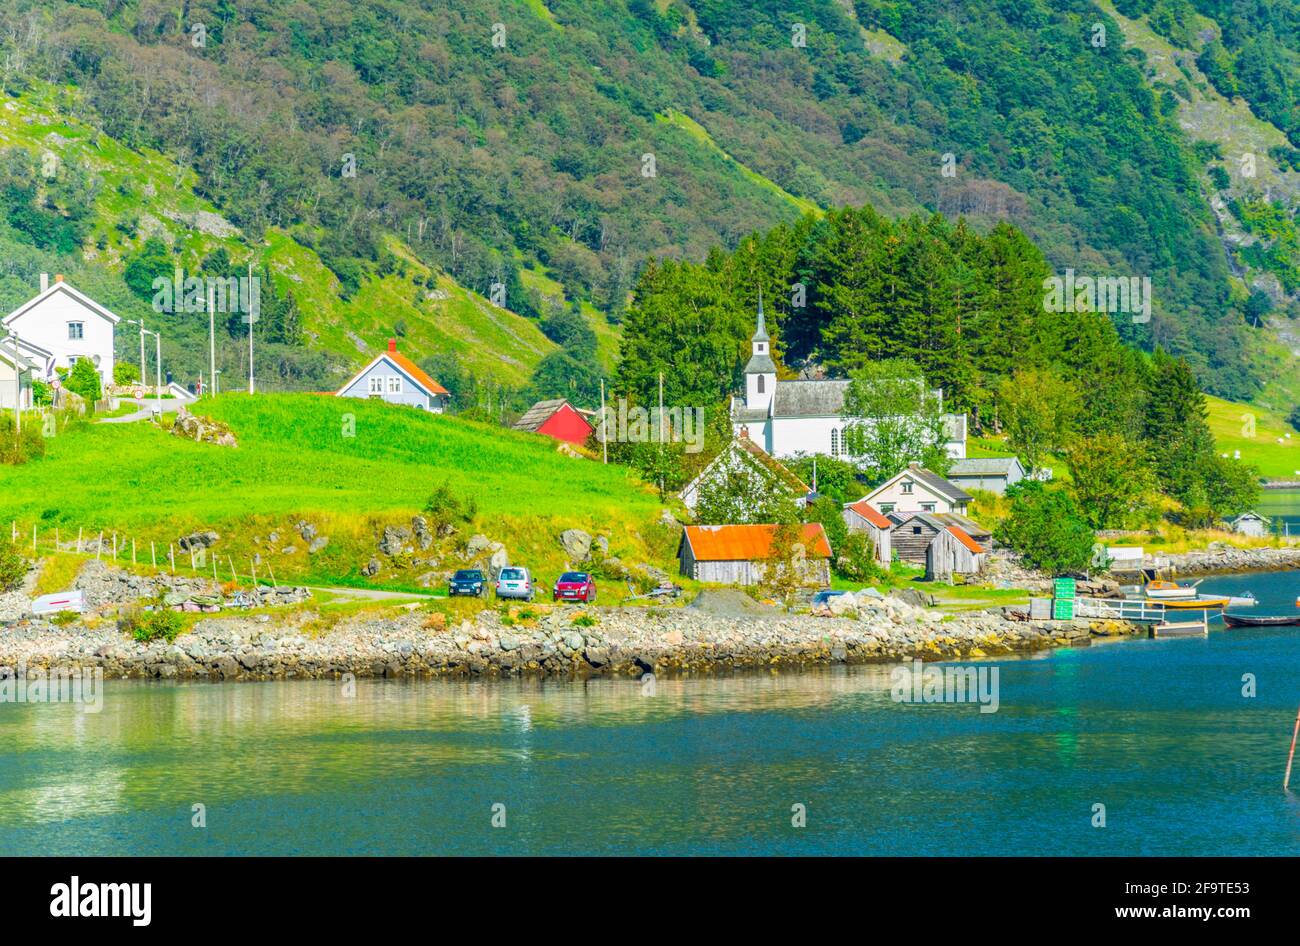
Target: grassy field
x: 1263, y: 437
x: 299, y: 457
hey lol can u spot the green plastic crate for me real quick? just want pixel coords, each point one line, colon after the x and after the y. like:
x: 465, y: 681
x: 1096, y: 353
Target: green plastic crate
x: 1063, y: 609
x: 1064, y: 588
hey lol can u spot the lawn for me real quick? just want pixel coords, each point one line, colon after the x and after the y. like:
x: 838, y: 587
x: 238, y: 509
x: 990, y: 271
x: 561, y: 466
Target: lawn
x: 1264, y: 438
x: 348, y: 466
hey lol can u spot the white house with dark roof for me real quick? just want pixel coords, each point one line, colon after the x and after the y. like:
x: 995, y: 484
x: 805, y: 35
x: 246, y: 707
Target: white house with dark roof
x: 744, y: 461
x: 787, y: 418
x: 916, y: 489
x: 60, y: 325
x: 992, y: 474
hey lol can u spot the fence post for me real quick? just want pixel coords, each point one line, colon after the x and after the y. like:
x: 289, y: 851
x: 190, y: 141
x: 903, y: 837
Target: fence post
x: 132, y: 550
x: 153, y: 556
x: 99, y: 545
x: 171, y: 556
x: 78, y: 540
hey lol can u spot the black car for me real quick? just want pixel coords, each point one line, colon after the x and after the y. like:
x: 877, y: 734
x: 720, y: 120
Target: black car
x: 467, y: 581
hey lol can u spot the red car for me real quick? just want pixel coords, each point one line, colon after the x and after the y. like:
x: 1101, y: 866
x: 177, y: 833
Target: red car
x: 574, y: 586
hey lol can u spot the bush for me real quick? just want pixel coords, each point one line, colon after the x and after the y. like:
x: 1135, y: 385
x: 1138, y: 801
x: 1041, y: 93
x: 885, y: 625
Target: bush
x: 83, y: 379
x: 125, y: 372
x: 17, y: 447
x: 144, y: 626
x: 1046, y: 527
x: 444, y: 509
x: 13, y: 566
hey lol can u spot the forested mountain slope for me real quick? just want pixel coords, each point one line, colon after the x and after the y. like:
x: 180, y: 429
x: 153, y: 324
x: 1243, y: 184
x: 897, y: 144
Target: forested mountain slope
x: 519, y: 142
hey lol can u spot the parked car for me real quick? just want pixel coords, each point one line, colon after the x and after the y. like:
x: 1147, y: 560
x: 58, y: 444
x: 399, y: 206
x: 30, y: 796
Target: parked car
x: 467, y: 581
x: 574, y: 586
x: 515, y: 582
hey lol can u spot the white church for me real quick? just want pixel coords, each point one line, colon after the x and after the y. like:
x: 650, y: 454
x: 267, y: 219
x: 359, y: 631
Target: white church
x: 791, y: 417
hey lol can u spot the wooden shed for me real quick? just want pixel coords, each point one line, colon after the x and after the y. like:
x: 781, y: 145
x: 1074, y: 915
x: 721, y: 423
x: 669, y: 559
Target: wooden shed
x: 911, y: 535
x: 1251, y: 523
x: 863, y: 517
x: 740, y: 554
x: 952, y: 552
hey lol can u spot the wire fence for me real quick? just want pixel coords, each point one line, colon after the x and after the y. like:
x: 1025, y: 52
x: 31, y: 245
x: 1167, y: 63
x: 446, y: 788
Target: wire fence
x: 123, y: 550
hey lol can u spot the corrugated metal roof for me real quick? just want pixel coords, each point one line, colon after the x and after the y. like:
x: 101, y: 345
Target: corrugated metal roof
x: 748, y: 543
x: 870, y: 513
x: 938, y: 483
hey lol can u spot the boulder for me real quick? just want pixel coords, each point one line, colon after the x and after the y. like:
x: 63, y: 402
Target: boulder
x: 371, y: 568
x: 576, y: 544
x: 393, y: 541
x: 318, y: 543
x: 498, y: 561
x: 477, y: 545
x: 198, y: 540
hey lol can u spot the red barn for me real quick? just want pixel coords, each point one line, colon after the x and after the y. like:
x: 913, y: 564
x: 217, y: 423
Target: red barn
x: 558, y: 419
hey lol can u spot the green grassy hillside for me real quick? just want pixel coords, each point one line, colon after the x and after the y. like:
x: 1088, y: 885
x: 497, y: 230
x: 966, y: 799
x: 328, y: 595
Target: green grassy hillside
x: 138, y: 194
x: 348, y: 466
x: 1264, y: 438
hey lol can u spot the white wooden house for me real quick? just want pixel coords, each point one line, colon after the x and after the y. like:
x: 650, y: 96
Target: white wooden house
x: 750, y: 464
x: 1251, y: 523
x: 916, y: 489
x: 60, y: 325
x: 991, y: 474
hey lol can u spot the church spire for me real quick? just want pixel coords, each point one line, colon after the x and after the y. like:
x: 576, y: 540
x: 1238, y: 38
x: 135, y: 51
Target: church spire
x: 761, y: 334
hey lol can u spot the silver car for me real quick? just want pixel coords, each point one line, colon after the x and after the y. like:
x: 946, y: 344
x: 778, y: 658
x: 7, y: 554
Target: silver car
x: 515, y: 582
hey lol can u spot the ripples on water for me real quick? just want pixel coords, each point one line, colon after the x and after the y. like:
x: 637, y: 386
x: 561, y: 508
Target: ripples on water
x: 1157, y: 731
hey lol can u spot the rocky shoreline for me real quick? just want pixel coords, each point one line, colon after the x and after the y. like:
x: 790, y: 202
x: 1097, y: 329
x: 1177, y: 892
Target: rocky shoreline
x: 1228, y: 559
x: 561, y: 642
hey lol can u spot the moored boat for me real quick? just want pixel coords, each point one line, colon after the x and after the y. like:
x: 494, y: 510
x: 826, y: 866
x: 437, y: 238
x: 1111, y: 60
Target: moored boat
x: 1260, y: 620
x: 1243, y: 600
x: 1159, y: 588
x: 1198, y: 603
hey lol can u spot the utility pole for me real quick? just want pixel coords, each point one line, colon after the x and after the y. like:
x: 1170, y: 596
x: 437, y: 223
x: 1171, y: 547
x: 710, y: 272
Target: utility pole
x: 158, y: 369
x: 252, y: 318
x: 144, y: 375
x: 604, y: 434
x: 661, y: 431
x: 212, y: 336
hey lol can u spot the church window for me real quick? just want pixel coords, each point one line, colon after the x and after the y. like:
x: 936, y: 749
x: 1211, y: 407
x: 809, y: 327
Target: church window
x: 835, y: 442
x: 760, y: 384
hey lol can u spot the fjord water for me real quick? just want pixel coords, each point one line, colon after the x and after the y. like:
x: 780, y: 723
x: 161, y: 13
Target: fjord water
x: 1157, y: 731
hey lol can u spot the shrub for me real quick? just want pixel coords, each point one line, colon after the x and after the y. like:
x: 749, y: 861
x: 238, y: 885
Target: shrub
x: 1046, y: 528
x: 15, y: 447
x: 83, y: 379
x: 125, y: 372
x: 444, y: 509
x: 158, y: 624
x: 584, y: 620
x: 13, y: 566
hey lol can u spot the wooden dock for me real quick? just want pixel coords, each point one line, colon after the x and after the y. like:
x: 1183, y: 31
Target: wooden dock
x: 1181, y: 628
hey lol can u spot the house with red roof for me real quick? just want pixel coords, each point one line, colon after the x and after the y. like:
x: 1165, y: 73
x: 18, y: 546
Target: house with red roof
x: 741, y: 554
x: 864, y: 517
x: 394, y: 378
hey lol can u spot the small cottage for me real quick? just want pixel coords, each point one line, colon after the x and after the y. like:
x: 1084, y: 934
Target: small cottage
x: 740, y: 554
x: 991, y: 474
x: 755, y: 471
x: 394, y: 378
x: 917, y: 489
x: 863, y: 517
x: 557, y: 419
x: 1251, y: 523
x: 952, y: 552
x: 61, y: 325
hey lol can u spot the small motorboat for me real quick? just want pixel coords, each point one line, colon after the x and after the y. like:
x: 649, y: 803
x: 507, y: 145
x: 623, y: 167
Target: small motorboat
x: 1199, y: 603
x: 1243, y: 600
x: 1159, y: 588
x: 1260, y: 620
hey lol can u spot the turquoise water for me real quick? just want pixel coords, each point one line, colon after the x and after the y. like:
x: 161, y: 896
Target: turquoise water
x: 1157, y: 731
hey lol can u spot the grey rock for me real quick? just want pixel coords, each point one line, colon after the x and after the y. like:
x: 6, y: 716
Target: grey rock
x: 576, y: 544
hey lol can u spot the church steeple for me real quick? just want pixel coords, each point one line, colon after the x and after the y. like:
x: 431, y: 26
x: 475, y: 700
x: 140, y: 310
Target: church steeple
x: 760, y: 372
